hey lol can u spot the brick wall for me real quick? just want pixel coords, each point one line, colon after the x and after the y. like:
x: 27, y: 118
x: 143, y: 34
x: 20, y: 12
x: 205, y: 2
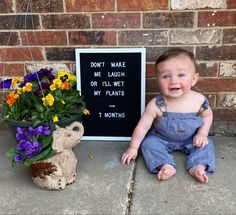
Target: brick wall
x: 48, y: 31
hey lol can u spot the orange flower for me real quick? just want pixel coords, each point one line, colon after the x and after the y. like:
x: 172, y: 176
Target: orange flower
x: 11, y: 98
x: 65, y: 85
x: 28, y: 87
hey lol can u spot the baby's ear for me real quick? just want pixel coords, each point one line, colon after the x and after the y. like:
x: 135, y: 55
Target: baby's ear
x: 195, y: 78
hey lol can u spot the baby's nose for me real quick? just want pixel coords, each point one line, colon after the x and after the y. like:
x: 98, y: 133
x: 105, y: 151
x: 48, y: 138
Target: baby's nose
x: 173, y: 79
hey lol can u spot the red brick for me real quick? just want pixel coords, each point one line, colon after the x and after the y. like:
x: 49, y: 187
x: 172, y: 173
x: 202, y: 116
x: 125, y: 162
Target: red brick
x: 21, y: 54
x: 150, y: 70
x: 229, y: 35
x: 216, y: 85
x: 211, y: 98
x: 11, y: 69
x: 65, y: 21
x: 92, y: 5
x: 6, y: 6
x: 216, y: 18
x: 207, y: 69
x: 224, y: 114
x: 154, y: 52
x: 142, y: 5
x: 231, y: 4
x: 60, y: 54
x: 92, y: 38
x: 143, y: 37
x: 19, y: 22
x: 151, y: 85
x: 227, y: 52
x: 168, y: 20
x: 44, y: 38
x: 9, y: 38
x: 116, y: 20
x: 224, y: 128
x: 41, y: 6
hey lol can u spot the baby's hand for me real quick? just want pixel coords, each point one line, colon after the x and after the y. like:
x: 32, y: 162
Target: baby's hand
x: 200, y: 140
x: 129, y: 155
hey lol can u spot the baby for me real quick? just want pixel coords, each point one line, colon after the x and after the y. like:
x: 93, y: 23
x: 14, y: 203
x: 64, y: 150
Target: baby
x: 177, y: 119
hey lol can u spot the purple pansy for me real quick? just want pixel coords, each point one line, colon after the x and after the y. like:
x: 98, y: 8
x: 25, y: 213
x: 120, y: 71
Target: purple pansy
x: 21, y: 133
x: 21, y: 144
x: 46, y: 130
x: 28, y: 141
x: 32, y: 149
x: 18, y: 157
x: 6, y: 84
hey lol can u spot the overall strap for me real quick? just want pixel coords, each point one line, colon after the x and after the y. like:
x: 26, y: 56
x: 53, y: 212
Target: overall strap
x: 160, y: 103
x: 204, y: 106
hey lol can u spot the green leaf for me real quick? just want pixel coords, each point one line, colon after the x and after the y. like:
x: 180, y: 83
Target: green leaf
x: 46, y: 141
x: 25, y: 112
x: 50, y: 154
x: 39, y: 107
x: 58, y: 93
x: 36, y: 123
x: 10, y: 154
x: 2, y: 120
x: 42, y: 156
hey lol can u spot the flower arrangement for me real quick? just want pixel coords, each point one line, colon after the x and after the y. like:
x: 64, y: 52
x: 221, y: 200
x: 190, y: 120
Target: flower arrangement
x: 43, y: 100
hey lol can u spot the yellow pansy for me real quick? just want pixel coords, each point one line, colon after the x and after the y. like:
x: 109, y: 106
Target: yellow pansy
x: 56, y: 84
x: 72, y: 78
x: 53, y: 87
x: 55, y: 119
x: 63, y: 75
x: 16, y: 81
x: 86, y: 112
x: 48, y: 100
x: 19, y: 90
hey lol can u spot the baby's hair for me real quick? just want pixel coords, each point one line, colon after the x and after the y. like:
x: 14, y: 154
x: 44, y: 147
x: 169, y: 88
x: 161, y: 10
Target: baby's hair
x: 173, y: 52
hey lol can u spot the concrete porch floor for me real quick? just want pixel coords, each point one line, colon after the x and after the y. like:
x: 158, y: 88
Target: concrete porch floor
x: 105, y: 186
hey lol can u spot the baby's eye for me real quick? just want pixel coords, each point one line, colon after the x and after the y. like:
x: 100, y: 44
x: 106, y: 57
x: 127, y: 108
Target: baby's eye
x: 165, y: 76
x: 181, y: 75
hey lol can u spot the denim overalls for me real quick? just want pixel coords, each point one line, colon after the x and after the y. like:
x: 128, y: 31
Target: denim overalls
x: 175, y: 131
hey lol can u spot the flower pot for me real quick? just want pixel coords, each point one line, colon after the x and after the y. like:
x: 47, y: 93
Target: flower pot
x: 63, y: 122
x: 59, y: 170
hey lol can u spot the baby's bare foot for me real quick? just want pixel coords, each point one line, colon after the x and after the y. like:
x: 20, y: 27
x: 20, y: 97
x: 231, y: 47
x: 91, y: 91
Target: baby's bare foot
x: 166, y: 172
x: 198, y: 172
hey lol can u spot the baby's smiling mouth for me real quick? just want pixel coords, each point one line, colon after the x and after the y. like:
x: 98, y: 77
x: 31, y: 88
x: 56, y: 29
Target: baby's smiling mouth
x: 174, y: 89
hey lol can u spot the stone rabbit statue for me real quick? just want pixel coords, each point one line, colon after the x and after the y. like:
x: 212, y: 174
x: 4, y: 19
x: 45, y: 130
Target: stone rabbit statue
x: 59, y: 170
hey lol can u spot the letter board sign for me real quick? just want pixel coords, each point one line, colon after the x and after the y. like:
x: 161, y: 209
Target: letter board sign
x: 112, y: 82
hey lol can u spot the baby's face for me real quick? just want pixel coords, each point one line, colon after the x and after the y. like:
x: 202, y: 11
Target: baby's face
x: 176, y: 76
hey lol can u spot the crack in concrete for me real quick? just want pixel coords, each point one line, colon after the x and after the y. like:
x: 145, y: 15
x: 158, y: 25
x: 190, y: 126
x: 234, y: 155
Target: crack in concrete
x: 131, y: 190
